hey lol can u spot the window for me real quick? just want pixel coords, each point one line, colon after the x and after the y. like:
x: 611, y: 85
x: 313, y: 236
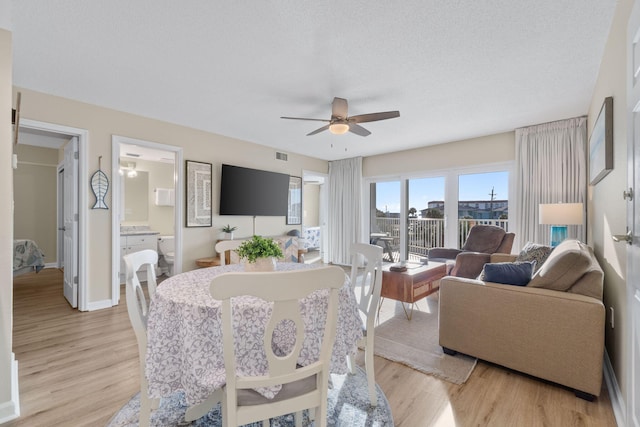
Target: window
x: 409, y: 215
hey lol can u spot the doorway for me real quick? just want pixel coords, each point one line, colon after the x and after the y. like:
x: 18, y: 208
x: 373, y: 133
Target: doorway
x: 140, y: 162
x: 314, y: 216
x: 54, y: 137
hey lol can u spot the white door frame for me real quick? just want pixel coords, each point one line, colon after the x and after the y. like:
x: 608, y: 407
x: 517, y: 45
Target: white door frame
x: 59, y: 212
x: 116, y: 200
x: 632, y: 365
x: 83, y: 189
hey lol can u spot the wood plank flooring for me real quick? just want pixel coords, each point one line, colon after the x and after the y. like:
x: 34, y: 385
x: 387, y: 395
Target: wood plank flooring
x: 78, y: 369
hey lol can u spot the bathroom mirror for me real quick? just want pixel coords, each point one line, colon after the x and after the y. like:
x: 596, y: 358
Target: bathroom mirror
x: 136, y: 197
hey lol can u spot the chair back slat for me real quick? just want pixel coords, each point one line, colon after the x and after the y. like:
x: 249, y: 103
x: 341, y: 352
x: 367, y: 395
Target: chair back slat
x: 226, y: 245
x: 368, y: 284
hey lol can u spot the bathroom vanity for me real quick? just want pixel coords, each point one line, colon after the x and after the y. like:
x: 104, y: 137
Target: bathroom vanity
x: 133, y: 239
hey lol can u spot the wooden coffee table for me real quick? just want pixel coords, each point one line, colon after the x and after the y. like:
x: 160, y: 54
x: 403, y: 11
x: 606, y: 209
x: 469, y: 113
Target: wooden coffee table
x: 413, y: 284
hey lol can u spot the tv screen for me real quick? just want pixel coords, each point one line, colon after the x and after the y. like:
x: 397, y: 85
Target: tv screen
x: 253, y: 192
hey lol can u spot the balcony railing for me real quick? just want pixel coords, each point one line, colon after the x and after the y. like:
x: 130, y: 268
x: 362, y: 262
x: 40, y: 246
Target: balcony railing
x: 426, y: 233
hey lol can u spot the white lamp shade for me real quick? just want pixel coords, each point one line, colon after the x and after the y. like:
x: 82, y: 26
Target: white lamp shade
x: 561, y: 213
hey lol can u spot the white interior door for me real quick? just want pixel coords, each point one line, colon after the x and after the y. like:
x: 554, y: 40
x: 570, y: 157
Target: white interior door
x: 633, y: 214
x: 70, y: 207
x: 60, y: 221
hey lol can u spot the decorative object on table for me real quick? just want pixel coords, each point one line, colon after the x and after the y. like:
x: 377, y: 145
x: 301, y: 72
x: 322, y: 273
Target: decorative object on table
x: 559, y: 215
x: 601, y: 144
x: 99, y: 186
x: 348, y: 405
x: 259, y: 253
x: 198, y: 194
x: 228, y: 231
x: 294, y: 203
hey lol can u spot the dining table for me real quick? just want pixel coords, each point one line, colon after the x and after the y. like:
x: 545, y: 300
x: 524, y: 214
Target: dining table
x: 184, y: 333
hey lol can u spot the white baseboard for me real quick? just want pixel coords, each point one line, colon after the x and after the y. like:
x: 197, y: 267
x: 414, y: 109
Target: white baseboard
x: 99, y: 305
x: 615, y: 395
x: 51, y: 265
x: 11, y: 410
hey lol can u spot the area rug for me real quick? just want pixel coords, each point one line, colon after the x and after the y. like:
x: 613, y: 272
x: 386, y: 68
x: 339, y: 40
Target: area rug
x: 415, y: 342
x: 348, y: 407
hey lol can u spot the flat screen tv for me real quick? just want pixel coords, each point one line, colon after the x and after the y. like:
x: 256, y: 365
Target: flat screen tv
x: 253, y: 192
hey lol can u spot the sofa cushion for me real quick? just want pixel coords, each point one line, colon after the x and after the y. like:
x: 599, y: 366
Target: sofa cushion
x: 534, y: 252
x: 509, y: 273
x: 567, y: 263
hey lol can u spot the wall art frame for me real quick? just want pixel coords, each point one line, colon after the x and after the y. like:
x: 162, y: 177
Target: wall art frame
x: 294, y: 204
x: 601, y: 143
x: 198, y: 194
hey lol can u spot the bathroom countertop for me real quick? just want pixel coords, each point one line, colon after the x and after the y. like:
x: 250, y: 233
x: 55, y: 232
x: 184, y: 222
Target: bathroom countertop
x: 137, y: 230
x: 139, y: 233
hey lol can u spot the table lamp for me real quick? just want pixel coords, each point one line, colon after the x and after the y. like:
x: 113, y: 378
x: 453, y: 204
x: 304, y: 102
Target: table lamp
x: 559, y: 215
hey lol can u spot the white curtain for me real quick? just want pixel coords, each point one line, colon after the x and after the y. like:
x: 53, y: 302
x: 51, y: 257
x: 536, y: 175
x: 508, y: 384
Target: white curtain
x: 551, y: 167
x: 345, y: 204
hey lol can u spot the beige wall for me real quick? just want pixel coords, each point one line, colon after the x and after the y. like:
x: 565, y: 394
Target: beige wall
x: 159, y: 218
x: 606, y: 208
x: 102, y: 123
x: 7, y: 384
x: 470, y: 152
x: 311, y: 204
x: 35, y: 198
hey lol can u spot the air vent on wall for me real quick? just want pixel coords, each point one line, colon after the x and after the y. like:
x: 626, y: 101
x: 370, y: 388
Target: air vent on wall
x: 132, y: 155
x: 281, y: 156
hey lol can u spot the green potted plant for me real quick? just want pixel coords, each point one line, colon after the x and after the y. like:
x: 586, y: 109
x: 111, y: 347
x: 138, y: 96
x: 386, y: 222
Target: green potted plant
x: 259, y: 253
x: 228, y: 230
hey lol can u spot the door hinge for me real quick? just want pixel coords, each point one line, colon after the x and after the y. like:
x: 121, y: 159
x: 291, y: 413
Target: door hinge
x: 75, y: 280
x: 76, y: 155
x: 628, y: 194
x: 76, y: 217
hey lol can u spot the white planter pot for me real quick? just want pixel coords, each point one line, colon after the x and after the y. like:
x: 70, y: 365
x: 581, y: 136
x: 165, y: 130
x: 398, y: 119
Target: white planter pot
x: 228, y: 236
x: 261, y: 264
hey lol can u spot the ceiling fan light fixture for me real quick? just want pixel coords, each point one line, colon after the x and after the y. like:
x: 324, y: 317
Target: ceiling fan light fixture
x: 339, y: 128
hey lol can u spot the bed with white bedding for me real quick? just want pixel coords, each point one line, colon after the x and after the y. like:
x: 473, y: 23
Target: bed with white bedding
x: 27, y: 257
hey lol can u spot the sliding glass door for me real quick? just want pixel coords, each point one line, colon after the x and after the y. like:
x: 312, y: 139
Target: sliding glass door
x: 410, y: 215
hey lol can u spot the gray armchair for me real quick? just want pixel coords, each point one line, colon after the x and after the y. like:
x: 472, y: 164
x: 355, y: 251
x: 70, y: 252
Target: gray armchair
x: 482, y: 241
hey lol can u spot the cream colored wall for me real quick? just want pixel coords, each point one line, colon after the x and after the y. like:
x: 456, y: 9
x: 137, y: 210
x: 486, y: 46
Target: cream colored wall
x: 606, y: 210
x: 35, y: 208
x: 198, y: 145
x: 469, y: 152
x: 7, y: 408
x: 311, y: 204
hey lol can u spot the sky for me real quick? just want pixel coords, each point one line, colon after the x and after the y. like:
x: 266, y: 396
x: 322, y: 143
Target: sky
x: 423, y: 190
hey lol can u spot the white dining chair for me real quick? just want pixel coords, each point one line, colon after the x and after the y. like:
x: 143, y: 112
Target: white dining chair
x: 138, y: 313
x: 138, y: 309
x: 303, y: 387
x: 367, y: 286
x: 226, y: 245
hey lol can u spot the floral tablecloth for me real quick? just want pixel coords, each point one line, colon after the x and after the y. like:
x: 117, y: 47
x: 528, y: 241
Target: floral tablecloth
x: 184, y: 330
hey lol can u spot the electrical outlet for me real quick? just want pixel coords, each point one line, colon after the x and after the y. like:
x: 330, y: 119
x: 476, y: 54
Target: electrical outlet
x: 612, y: 317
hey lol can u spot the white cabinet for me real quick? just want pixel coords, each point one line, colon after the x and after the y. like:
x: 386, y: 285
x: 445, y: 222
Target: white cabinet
x: 131, y: 244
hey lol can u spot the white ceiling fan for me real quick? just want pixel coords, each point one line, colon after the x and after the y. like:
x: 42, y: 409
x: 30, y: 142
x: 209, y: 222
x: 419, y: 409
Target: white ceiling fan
x: 341, y: 123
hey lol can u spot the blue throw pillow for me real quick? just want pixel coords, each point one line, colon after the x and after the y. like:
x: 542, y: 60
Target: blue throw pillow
x: 509, y: 273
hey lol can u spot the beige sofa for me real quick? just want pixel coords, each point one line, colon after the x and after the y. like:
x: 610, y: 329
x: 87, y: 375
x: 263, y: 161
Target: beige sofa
x: 553, y: 328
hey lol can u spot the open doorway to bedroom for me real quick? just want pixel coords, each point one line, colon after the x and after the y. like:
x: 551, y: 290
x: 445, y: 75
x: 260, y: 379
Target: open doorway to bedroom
x: 41, y: 171
x: 314, y: 216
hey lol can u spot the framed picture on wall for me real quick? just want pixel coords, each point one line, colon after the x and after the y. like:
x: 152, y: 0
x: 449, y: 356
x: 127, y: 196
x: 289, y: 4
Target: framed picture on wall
x: 601, y: 144
x: 198, y: 194
x: 294, y: 211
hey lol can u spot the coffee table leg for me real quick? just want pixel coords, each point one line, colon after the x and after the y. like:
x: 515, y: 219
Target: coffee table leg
x: 410, y: 314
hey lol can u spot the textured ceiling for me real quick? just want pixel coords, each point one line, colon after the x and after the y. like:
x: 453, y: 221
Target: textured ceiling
x: 454, y: 69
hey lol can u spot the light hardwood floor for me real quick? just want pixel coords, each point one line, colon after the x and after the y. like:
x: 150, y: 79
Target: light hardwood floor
x: 78, y: 369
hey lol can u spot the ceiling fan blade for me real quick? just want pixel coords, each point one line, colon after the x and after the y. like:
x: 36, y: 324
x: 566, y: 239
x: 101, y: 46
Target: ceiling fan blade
x: 302, y: 118
x: 358, y: 130
x: 323, y: 128
x: 339, y: 108
x: 372, y: 117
